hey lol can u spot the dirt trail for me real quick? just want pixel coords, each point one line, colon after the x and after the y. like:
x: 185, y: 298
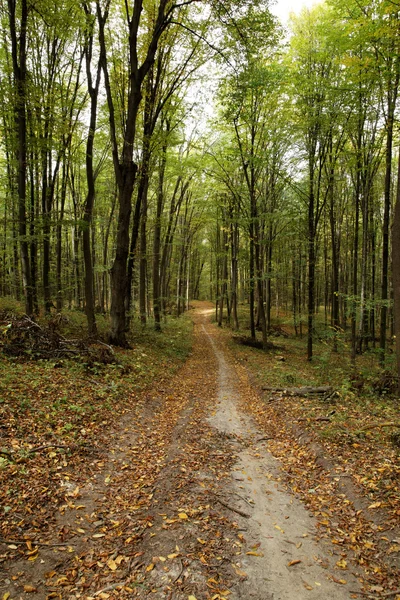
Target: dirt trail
x: 290, y: 562
x: 189, y: 503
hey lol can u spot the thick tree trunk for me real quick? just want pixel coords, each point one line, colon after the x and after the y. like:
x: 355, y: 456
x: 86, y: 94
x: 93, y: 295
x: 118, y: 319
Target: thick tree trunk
x: 18, y: 51
x: 90, y: 178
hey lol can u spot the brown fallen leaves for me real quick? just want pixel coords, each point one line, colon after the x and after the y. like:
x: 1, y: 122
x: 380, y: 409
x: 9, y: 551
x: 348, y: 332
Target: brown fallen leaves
x: 320, y: 483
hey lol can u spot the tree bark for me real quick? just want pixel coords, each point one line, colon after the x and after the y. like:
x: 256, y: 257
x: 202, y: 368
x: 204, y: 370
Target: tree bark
x: 18, y: 51
x: 396, y: 271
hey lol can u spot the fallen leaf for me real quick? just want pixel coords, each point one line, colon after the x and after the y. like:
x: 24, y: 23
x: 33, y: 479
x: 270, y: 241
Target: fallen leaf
x: 294, y: 562
x: 240, y: 572
x: 150, y: 567
x: 183, y: 515
x: 29, y: 588
x: 112, y: 565
x: 252, y: 553
x: 307, y: 585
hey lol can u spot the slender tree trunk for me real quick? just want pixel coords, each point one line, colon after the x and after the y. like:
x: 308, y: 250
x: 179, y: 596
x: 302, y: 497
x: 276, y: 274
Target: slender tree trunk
x: 234, y: 277
x: 396, y: 271
x: 385, y: 231
x: 59, y: 299
x: 311, y: 261
x: 143, y: 262
x: 157, y: 237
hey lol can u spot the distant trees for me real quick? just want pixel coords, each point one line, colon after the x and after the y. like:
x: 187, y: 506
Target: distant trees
x: 109, y: 202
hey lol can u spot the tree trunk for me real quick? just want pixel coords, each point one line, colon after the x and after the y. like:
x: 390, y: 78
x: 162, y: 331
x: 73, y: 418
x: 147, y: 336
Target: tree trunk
x: 90, y: 178
x: 19, y: 72
x: 396, y: 271
x: 143, y: 261
x: 157, y: 236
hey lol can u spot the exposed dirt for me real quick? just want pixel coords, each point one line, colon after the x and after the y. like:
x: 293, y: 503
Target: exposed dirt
x: 190, y: 503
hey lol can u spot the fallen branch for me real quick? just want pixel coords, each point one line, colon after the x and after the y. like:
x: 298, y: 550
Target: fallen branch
x: 7, y: 452
x: 379, y: 425
x: 302, y: 391
x: 381, y: 594
x: 111, y: 587
x: 33, y: 542
x: 236, y: 510
x: 315, y: 419
x: 40, y: 448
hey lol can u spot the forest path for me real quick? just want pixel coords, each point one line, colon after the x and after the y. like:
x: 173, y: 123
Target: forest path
x: 189, y: 504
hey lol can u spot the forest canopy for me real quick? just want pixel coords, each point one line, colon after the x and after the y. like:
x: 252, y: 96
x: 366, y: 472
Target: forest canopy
x: 154, y: 152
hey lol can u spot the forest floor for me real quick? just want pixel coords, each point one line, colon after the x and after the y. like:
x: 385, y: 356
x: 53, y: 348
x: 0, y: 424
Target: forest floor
x: 199, y: 487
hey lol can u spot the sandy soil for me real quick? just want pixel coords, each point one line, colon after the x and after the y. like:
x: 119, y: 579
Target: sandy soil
x: 291, y: 564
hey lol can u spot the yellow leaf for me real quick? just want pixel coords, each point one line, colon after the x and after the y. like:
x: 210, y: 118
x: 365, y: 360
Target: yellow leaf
x: 80, y: 530
x: 33, y: 557
x: 201, y: 541
x: 112, y: 565
x: 29, y: 588
x: 294, y: 562
x: 183, y: 515
x: 173, y: 555
x: 375, y: 505
x: 150, y: 567
x: 6, y: 596
x: 162, y: 558
x: 240, y: 572
x: 279, y: 528
x: 342, y: 564
x: 192, y: 598
x: 252, y: 553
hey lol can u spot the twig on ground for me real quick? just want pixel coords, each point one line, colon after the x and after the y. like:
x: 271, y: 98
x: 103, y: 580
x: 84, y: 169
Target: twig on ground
x: 381, y: 594
x: 315, y: 419
x: 236, y: 510
x: 181, y: 572
x: 111, y: 587
x: 33, y: 542
x: 40, y: 448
